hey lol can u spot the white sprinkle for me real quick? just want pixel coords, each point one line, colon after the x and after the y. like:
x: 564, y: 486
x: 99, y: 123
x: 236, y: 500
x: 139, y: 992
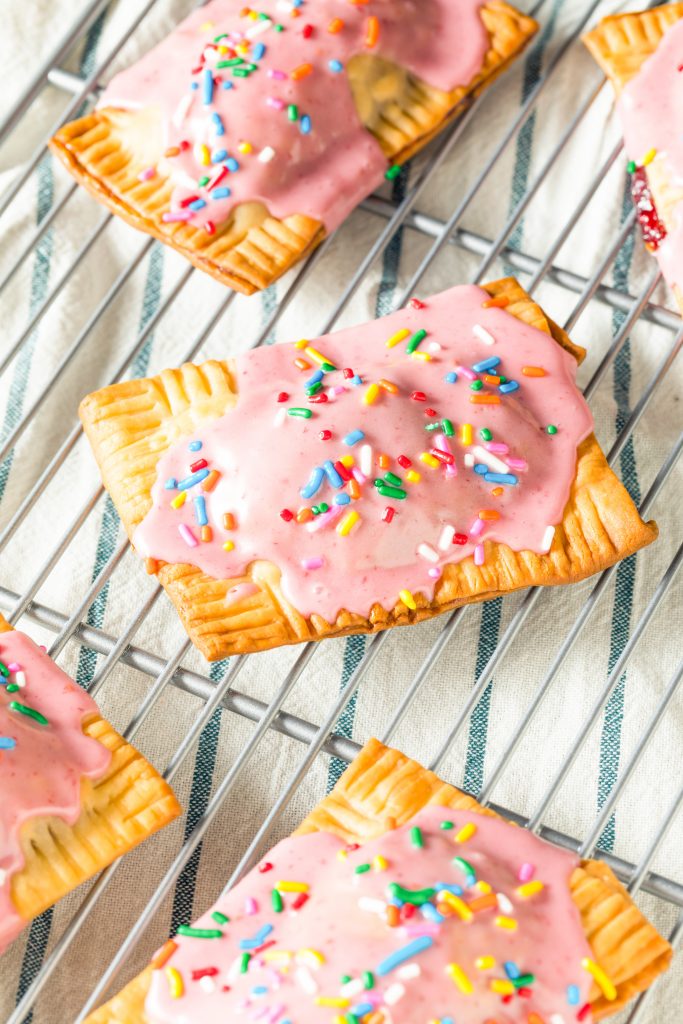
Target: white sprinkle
x: 409, y: 971
x: 352, y: 988
x: 280, y: 417
x: 266, y: 155
x: 480, y: 332
x: 235, y: 969
x: 433, y: 347
x: 556, y: 1018
x: 490, y: 460
x: 207, y: 984
x: 446, y: 538
x: 468, y: 460
x: 365, y: 460
x: 20, y: 679
x: 504, y: 903
x: 258, y: 28
x: 306, y: 980
x: 547, y: 541
x: 394, y: 993
x: 427, y: 552
x: 182, y: 110
x: 3, y: 876
x: 371, y: 905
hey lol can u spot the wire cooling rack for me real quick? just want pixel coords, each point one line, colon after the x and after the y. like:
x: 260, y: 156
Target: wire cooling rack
x: 585, y: 279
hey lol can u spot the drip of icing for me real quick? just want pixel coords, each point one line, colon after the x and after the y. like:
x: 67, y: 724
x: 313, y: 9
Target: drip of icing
x: 650, y: 108
x: 265, y: 457
x: 341, y: 930
x: 41, y: 774
x: 323, y: 172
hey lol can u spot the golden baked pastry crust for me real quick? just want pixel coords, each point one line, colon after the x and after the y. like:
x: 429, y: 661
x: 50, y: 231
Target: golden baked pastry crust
x: 621, y: 44
x: 108, y: 148
x: 383, y: 789
x: 128, y: 804
x: 130, y: 425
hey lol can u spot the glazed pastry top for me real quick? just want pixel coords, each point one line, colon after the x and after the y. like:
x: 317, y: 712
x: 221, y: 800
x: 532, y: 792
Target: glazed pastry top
x: 363, y: 462
x: 44, y: 754
x: 256, y: 103
x: 455, y: 917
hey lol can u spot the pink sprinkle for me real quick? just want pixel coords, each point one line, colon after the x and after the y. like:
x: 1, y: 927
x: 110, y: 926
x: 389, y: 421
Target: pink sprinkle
x: 358, y: 476
x: 441, y: 442
x: 479, y: 554
x: 173, y: 217
x: 148, y: 173
x: 279, y: 76
x: 312, y: 563
x: 187, y: 535
x: 466, y: 373
x: 327, y: 517
x: 497, y: 447
x: 519, y: 464
x: 338, y: 389
x: 14, y: 666
x: 250, y: 906
x: 434, y: 572
x: 526, y: 872
x: 275, y: 103
x: 424, y: 928
x: 477, y: 527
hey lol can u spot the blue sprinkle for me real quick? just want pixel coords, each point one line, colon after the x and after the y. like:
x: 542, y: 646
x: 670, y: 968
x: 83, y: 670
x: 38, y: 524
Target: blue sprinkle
x: 305, y: 125
x: 315, y: 379
x: 314, y: 483
x: 200, y: 510
x: 336, y: 66
x: 7, y: 743
x: 455, y: 889
x: 360, y: 1009
x: 481, y: 468
x: 258, y: 939
x: 227, y: 85
x: 500, y: 478
x: 207, y: 87
x: 447, y: 1020
x: 220, y: 193
x: 353, y: 437
x: 220, y: 127
x: 218, y: 156
x: 430, y: 913
x: 194, y: 86
x: 195, y: 446
x: 192, y: 481
x: 509, y: 386
x: 341, y: 499
x: 356, y: 381
x: 451, y: 377
x: 198, y: 204
x: 232, y: 164
x: 405, y: 953
x: 511, y: 969
x: 332, y: 474
x: 573, y: 995
x: 259, y: 990
x: 171, y: 484
x: 297, y: 3
x: 258, y: 51
x: 486, y: 364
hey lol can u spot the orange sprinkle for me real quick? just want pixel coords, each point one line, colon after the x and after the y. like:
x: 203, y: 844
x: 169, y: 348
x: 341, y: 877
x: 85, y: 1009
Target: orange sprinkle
x: 302, y: 364
x: 211, y: 480
x: 383, y: 460
x: 163, y: 955
x: 499, y: 300
x: 336, y: 25
x: 533, y: 371
x: 301, y: 343
x: 393, y: 916
x: 295, y: 12
x: 206, y: 533
x: 151, y: 566
x: 228, y: 521
x: 304, y: 515
x: 485, y: 399
x: 353, y: 487
x: 388, y: 385
x: 490, y: 378
x: 301, y: 72
x: 372, y: 31
x: 488, y: 513
x: 497, y: 491
x: 533, y: 1018
x: 486, y: 902
x: 172, y: 151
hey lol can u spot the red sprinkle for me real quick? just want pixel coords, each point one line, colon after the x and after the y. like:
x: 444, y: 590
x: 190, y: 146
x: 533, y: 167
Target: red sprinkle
x: 348, y: 373
x: 283, y: 397
x: 506, y: 999
x: 416, y: 304
x: 317, y: 399
x: 266, y: 945
x: 445, y: 457
x: 266, y: 865
x: 404, y: 461
x: 184, y: 145
x: 307, y: 31
x: 199, y: 464
x: 188, y: 199
x: 388, y: 514
x: 300, y: 900
x: 286, y: 515
x: 343, y: 471
x: 584, y: 1011
x: 418, y: 396
x: 210, y: 227
x: 407, y: 910
x: 430, y: 412
x: 325, y: 435
x: 460, y: 538
x: 204, y: 972
x: 525, y: 993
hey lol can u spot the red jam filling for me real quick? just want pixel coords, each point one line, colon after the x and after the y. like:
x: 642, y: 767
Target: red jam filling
x: 653, y: 229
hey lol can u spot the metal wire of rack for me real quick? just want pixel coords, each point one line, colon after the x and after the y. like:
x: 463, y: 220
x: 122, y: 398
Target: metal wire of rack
x: 430, y: 235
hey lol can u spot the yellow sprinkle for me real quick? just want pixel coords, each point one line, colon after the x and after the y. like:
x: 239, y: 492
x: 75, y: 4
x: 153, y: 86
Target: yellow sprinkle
x: 229, y: 545
x: 204, y: 155
x: 508, y: 923
x: 423, y: 357
x: 339, y: 1020
x: 458, y: 905
x: 291, y: 886
x: 179, y: 499
x: 649, y: 157
x: 348, y: 461
x: 318, y: 357
x: 342, y: 854
x: 311, y: 956
x: 485, y: 963
x: 502, y: 987
x: 483, y: 887
x: 347, y: 523
x: 370, y: 396
x: 466, y: 433
x: 429, y: 460
x: 380, y: 863
x: 602, y: 980
x: 413, y: 477
x: 337, y: 1001
x: 466, y: 832
x: 388, y: 385
x: 456, y: 972
x: 408, y: 599
x: 301, y: 343
x: 277, y: 954
x: 245, y: 147
x: 395, y: 338
x: 206, y: 26
x: 175, y: 982
x: 242, y: 48
x: 529, y: 889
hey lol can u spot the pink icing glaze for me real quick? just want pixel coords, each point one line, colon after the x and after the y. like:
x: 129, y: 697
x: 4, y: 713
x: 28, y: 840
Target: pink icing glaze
x: 265, y: 456
x: 41, y: 774
x: 326, y: 172
x: 651, y: 112
x: 345, y: 921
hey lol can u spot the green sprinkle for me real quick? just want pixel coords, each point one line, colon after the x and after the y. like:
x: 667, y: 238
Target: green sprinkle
x: 416, y: 837
x: 368, y: 980
x: 345, y: 979
x: 432, y: 426
x: 351, y: 1018
x: 392, y: 172
x: 251, y: 67
x: 24, y: 709
x: 392, y: 479
x: 220, y: 918
x: 415, y: 896
x: 244, y: 962
x: 12, y: 688
x: 465, y: 866
x: 361, y: 869
x: 292, y: 112
x: 447, y: 428
x: 315, y: 510
x: 223, y: 35
x: 631, y: 167
x: 392, y: 492
x: 476, y: 385
x: 314, y: 388
x: 264, y: 17
x: 279, y: 28
x: 323, y: 507
x: 232, y: 63
x: 502, y: 378
x: 296, y: 410
x: 204, y: 181
x: 200, y: 933
x: 4, y: 671
x: 241, y: 73
x: 524, y: 980
x: 276, y: 900
x: 446, y: 825
x: 328, y: 367
x: 551, y: 429
x: 415, y: 341
x: 485, y: 434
